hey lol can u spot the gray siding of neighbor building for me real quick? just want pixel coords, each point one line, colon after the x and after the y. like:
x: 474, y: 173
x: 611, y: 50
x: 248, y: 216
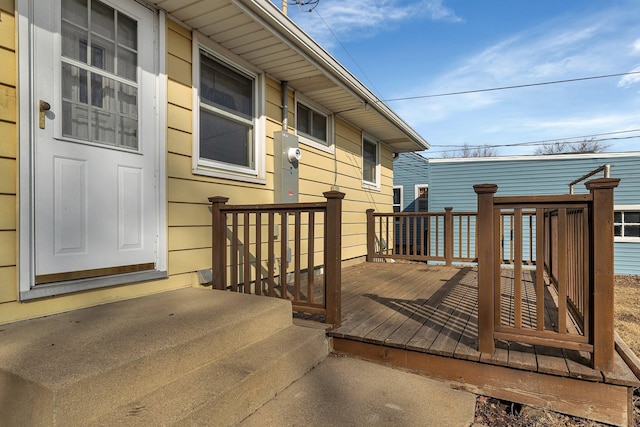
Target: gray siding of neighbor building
x: 451, y: 184
x: 409, y: 170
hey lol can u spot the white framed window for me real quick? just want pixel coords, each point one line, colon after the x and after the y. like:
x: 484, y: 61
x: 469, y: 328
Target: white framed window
x: 397, y: 198
x: 314, y: 125
x: 370, y: 163
x: 228, y: 131
x: 422, y: 198
x: 626, y: 223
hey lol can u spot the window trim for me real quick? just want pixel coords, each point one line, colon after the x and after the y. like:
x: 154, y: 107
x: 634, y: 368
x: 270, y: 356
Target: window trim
x: 212, y: 168
x: 368, y: 184
x: 309, y: 140
x: 401, y: 204
x: 416, y: 192
x: 623, y: 208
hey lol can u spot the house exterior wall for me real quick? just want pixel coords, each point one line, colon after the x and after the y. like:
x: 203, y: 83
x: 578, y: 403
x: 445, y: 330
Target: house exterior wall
x: 451, y: 184
x: 8, y: 154
x: 188, y: 215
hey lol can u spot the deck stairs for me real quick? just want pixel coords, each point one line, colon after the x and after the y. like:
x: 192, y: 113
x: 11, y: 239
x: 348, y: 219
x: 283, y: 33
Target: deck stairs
x: 185, y: 357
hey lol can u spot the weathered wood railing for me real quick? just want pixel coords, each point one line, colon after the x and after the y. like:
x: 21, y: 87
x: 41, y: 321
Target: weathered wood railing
x: 573, y: 236
x: 281, y: 250
x: 422, y: 236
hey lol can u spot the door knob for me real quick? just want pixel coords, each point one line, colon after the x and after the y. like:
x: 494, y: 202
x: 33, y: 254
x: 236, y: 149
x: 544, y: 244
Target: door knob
x: 43, y: 107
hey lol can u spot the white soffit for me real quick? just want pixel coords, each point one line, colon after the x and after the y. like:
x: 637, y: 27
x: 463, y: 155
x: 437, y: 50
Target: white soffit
x: 258, y: 32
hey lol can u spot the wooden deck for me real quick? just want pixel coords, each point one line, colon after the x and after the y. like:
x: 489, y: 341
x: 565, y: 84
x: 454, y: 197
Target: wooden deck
x: 424, y: 317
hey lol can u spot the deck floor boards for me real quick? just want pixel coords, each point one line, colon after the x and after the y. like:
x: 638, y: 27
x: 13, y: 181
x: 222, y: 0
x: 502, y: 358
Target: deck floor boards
x: 433, y: 309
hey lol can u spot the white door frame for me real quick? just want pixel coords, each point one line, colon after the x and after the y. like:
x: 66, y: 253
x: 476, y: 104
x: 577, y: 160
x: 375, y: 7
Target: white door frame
x: 28, y: 121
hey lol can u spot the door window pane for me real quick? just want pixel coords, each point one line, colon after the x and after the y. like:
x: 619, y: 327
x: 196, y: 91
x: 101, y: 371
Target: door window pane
x: 75, y: 11
x: 102, y: 20
x: 96, y: 106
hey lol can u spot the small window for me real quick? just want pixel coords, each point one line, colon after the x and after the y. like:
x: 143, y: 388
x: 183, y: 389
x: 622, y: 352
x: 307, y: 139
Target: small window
x: 370, y: 160
x: 397, y: 199
x: 626, y: 225
x: 313, y: 125
x: 422, y: 198
x: 226, y: 126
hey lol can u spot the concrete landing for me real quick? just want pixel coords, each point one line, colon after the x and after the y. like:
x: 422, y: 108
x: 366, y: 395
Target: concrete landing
x: 343, y: 391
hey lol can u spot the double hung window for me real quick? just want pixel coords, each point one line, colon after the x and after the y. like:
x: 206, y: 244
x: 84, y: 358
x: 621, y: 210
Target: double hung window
x: 626, y: 225
x: 313, y: 125
x: 370, y: 163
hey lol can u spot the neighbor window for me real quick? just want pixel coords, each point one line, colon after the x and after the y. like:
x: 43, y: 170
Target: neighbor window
x: 370, y: 160
x: 626, y: 225
x: 422, y: 198
x: 397, y: 199
x: 226, y: 142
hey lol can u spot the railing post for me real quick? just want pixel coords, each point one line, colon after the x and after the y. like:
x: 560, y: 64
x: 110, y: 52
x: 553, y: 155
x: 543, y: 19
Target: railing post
x: 218, y: 242
x: 448, y: 235
x: 486, y: 266
x: 371, y: 231
x: 333, y: 257
x: 602, y: 271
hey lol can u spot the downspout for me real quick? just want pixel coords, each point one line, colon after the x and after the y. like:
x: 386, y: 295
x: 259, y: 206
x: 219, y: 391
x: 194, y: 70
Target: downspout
x: 285, y: 104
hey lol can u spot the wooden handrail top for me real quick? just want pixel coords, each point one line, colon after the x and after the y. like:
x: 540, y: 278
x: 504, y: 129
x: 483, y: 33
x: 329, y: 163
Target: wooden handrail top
x: 543, y: 200
x: 280, y: 207
x: 416, y: 214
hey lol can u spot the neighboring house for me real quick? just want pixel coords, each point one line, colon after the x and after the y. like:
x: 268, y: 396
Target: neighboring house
x: 119, y: 118
x: 450, y: 183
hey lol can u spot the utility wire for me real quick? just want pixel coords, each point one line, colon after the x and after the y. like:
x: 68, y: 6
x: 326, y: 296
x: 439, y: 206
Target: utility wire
x: 512, y: 87
x: 546, y: 141
x: 347, y: 52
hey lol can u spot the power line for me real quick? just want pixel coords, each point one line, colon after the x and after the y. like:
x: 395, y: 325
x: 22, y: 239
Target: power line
x: 546, y: 141
x: 347, y: 51
x: 529, y: 144
x: 512, y: 87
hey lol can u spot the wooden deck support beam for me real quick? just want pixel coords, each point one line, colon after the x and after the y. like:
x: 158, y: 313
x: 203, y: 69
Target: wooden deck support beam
x: 371, y: 232
x: 486, y: 263
x: 602, y: 271
x: 333, y: 257
x: 218, y: 243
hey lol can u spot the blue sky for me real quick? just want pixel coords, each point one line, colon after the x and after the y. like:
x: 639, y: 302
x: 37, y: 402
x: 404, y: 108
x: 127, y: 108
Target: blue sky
x: 401, y: 49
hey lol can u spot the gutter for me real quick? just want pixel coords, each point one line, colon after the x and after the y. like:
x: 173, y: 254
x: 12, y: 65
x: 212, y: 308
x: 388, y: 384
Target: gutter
x: 265, y: 12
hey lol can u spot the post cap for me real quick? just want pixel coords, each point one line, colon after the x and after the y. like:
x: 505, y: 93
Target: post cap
x: 602, y: 183
x: 485, y: 188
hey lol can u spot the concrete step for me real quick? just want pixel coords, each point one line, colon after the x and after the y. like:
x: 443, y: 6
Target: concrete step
x: 226, y: 391
x: 77, y: 366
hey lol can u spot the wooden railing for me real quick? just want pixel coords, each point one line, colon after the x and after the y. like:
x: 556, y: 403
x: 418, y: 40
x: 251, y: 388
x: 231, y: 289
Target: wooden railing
x: 422, y: 236
x: 289, y: 251
x: 573, y: 237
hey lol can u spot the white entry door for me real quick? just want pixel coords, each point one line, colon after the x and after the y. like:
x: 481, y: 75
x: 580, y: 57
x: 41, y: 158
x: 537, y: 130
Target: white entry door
x: 95, y: 138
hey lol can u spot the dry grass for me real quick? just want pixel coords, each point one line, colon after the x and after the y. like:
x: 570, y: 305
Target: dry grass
x: 627, y: 310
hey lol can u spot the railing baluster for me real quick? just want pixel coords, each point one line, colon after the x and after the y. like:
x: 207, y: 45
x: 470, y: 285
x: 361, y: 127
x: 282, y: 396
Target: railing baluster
x: 234, y: 252
x: 258, y: 263
x: 562, y: 271
x: 245, y: 263
x: 311, y: 257
x: 540, y: 221
x: 517, y: 268
x: 296, y: 264
x: 284, y: 246
x: 272, y: 258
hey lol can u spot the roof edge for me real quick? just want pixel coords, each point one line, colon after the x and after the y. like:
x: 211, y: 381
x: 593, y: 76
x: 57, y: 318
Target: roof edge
x: 267, y: 12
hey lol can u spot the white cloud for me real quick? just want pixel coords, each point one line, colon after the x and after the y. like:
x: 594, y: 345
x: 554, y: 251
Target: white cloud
x: 630, y: 79
x: 635, y: 47
x: 358, y: 20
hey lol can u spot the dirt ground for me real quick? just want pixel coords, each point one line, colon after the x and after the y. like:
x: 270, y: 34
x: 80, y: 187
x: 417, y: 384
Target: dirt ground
x: 499, y: 413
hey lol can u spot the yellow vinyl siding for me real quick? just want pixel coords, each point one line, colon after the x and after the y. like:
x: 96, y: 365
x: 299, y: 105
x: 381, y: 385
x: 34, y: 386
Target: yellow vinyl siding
x: 8, y: 155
